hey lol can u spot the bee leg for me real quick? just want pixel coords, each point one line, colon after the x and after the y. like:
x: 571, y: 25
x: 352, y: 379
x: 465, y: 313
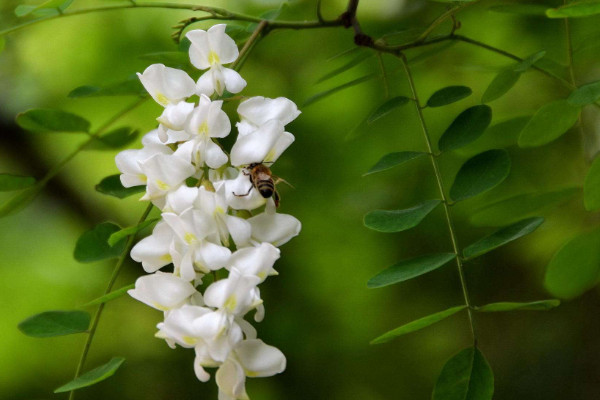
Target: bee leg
x: 276, y: 198
x: 277, y: 179
x: 243, y: 195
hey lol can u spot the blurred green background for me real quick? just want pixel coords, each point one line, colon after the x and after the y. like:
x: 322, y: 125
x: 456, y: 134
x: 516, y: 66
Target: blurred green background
x: 319, y: 311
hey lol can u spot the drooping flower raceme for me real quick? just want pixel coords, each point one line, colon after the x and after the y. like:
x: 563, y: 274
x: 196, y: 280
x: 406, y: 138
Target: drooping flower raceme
x: 215, y: 243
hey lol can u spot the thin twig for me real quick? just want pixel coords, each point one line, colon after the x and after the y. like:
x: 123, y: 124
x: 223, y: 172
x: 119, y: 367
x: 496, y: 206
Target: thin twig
x: 98, y: 314
x: 440, y: 184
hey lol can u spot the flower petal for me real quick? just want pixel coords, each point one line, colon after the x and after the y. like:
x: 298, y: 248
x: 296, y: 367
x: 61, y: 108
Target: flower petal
x: 161, y: 290
x: 255, y: 147
x: 259, y: 359
x: 276, y: 229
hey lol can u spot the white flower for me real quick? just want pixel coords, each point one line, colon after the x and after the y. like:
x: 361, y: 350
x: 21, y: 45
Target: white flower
x: 274, y: 228
x: 236, y: 295
x: 240, y: 193
x: 178, y: 325
x: 212, y: 49
x: 264, y: 144
x: 251, y: 358
x: 180, y: 200
x: 167, y: 85
x: 215, y: 204
x: 257, y: 110
x: 205, y: 122
x: 172, y: 122
x: 256, y: 261
x: 196, y: 233
x: 154, y: 251
x: 128, y: 161
x: 162, y: 291
x: 165, y: 173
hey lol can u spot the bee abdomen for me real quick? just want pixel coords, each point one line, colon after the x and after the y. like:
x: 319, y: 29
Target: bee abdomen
x: 265, y: 188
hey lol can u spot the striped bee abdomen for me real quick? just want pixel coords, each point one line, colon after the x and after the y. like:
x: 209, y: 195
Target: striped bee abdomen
x: 265, y: 187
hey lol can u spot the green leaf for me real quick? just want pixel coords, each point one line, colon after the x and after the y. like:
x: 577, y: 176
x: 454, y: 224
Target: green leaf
x: 529, y: 61
x: 343, y: 68
x: 502, y: 237
x: 115, y: 294
x: 132, y: 230
x: 498, y: 136
x: 10, y: 182
x: 327, y: 93
x: 399, y: 220
x: 480, y: 174
x: 575, y: 267
x: 93, y: 244
x: 521, y: 206
x: 448, y: 95
x: 549, y: 123
x: 591, y: 187
x: 586, y: 94
x: 94, y: 376
x: 466, y: 376
x: 130, y: 87
x: 417, y: 324
x: 115, y: 139
x: 500, y: 85
x: 575, y: 9
x: 50, y: 7
x: 20, y: 200
x: 387, y: 108
x: 540, y: 305
x: 408, y: 269
x: 528, y: 9
x: 111, y: 185
x: 55, y: 323
x: 392, y: 160
x: 468, y: 126
x: 49, y: 120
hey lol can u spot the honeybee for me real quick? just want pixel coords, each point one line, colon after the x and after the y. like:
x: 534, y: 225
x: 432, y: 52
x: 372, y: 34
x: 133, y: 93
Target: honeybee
x: 263, y: 180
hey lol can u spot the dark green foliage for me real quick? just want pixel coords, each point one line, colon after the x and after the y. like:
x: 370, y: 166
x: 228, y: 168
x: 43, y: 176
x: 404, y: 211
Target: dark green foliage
x: 480, y: 174
x: 111, y: 185
x: 49, y: 120
x: 448, y: 95
x: 399, y: 220
x: 466, y: 376
x: 94, y: 376
x: 93, y: 244
x: 468, y: 126
x: 55, y: 323
x: 408, y: 269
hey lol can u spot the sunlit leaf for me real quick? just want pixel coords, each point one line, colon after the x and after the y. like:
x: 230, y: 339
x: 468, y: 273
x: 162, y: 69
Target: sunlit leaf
x: 115, y: 294
x: 540, y: 305
x: 575, y: 9
x: 500, y: 85
x: 586, y: 94
x: 575, y: 267
x: 115, y: 139
x: 480, y: 174
x: 93, y: 244
x: 123, y: 233
x: 111, y: 185
x: 591, y: 187
x: 502, y: 237
x: 387, y: 108
x: 55, y: 323
x: 514, y: 208
x: 392, y: 160
x: 399, y: 220
x: 343, y: 68
x: 529, y: 9
x: 50, y: 7
x: 94, y: 376
x: 549, y: 123
x: 466, y: 376
x: 468, y: 126
x: 50, y: 120
x: 417, y: 324
x: 20, y: 200
x: 408, y: 269
x: 10, y: 182
x: 448, y: 95
x: 327, y: 93
x: 130, y: 87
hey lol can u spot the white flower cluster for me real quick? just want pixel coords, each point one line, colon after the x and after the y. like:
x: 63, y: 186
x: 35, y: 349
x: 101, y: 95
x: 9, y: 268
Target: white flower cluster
x: 208, y: 198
